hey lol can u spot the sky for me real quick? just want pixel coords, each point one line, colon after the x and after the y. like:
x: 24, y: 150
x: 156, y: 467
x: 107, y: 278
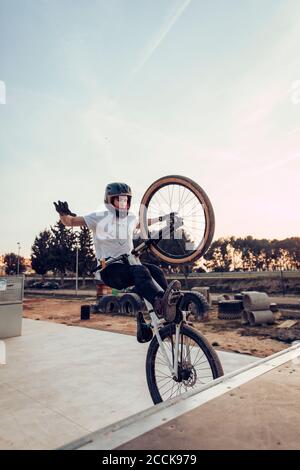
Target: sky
x: 131, y: 90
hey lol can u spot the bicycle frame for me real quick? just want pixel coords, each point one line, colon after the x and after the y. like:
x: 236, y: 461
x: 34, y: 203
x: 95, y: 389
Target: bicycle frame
x: 156, y: 323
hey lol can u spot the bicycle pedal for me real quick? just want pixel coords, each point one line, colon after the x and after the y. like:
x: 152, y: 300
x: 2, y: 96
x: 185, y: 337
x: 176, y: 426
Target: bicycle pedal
x: 174, y: 297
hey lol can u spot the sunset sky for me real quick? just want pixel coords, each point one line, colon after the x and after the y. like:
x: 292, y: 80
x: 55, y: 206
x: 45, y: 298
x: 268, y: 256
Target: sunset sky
x: 132, y: 90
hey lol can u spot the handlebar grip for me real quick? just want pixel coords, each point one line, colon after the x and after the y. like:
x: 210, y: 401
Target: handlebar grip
x: 96, y: 269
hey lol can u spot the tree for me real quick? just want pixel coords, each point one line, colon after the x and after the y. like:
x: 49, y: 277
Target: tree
x: 251, y: 254
x: 41, y: 253
x: 177, y: 244
x: 218, y: 256
x: 199, y: 270
x: 11, y: 261
x: 62, y: 249
x: 86, y: 255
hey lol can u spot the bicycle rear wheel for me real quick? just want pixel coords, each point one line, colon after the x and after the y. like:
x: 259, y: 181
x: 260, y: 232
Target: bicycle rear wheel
x: 198, y: 363
x: 185, y: 197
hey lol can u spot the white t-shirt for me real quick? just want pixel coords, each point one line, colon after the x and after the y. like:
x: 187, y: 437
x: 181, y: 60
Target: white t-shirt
x: 112, y: 236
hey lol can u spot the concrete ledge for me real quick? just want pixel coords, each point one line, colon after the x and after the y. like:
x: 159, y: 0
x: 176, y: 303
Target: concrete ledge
x: 118, y: 434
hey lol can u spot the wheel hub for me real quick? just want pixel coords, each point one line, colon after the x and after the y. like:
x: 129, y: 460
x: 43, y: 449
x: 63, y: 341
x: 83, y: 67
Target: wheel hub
x: 186, y: 374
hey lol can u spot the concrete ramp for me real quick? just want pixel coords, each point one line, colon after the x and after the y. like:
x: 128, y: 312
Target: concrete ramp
x: 257, y: 407
x: 61, y: 383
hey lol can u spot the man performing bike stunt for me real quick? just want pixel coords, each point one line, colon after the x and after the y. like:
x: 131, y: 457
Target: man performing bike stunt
x: 179, y: 358
x: 113, y: 233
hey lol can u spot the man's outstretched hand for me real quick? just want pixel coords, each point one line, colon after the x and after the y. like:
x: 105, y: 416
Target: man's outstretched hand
x: 63, y: 209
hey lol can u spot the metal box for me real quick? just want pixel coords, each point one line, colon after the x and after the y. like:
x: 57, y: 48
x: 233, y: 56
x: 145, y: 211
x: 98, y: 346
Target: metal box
x: 11, y: 305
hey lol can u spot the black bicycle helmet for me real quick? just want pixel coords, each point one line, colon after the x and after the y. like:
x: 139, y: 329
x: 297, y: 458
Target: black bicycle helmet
x: 116, y: 189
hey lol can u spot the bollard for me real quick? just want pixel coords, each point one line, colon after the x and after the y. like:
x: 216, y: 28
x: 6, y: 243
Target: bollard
x: 85, y: 312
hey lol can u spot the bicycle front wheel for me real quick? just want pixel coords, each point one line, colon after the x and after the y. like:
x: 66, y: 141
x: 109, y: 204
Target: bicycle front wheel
x: 198, y: 363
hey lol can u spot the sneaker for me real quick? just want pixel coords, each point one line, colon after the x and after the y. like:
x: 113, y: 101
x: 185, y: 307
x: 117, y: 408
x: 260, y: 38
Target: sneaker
x: 166, y: 306
x: 158, y: 306
x: 144, y: 331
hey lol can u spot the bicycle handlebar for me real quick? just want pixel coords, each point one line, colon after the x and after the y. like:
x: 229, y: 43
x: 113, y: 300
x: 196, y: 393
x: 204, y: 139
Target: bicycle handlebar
x: 175, y: 222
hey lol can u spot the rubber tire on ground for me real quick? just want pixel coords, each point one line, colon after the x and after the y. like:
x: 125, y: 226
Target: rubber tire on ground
x: 130, y: 304
x: 229, y: 316
x: 230, y: 306
x: 204, y: 345
x: 238, y: 296
x: 198, y: 300
x: 95, y: 308
x: 109, y: 304
x: 208, y: 211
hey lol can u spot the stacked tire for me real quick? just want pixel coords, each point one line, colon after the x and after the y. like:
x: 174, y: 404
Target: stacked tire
x: 130, y: 304
x: 195, y: 303
x: 109, y: 304
x: 238, y: 296
x: 205, y: 291
x: 230, y: 309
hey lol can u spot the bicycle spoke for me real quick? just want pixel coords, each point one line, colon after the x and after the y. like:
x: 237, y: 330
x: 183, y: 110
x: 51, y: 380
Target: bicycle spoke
x: 191, y: 359
x: 161, y: 195
x: 172, y: 193
x: 172, y: 390
x: 180, y: 198
x: 169, y: 388
x: 169, y: 197
x: 190, y: 208
x: 187, y: 199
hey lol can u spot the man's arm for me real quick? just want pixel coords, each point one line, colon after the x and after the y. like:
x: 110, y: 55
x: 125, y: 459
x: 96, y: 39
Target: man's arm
x: 154, y: 220
x: 70, y: 221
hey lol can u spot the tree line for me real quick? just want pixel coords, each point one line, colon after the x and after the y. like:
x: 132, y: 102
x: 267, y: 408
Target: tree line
x: 235, y: 254
x: 252, y: 254
x: 55, y: 250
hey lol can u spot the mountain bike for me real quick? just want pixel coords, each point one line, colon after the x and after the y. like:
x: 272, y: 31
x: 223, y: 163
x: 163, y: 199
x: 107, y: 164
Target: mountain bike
x: 179, y: 357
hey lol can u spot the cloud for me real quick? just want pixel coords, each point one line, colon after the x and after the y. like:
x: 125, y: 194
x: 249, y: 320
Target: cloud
x: 159, y: 37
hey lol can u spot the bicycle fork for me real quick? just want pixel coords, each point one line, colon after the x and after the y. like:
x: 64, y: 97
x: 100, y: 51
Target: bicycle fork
x: 185, y: 348
x: 172, y: 367
x: 133, y: 260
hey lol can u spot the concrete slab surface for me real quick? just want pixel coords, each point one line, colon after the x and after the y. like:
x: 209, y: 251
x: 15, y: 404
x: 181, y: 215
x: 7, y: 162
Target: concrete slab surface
x: 61, y: 383
x: 263, y: 414
x: 256, y: 407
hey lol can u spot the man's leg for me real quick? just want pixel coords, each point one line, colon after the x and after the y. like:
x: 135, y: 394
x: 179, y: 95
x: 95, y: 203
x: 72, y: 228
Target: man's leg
x: 165, y: 305
x: 165, y: 301
x: 117, y: 275
x: 157, y: 274
x: 143, y: 282
x: 120, y: 276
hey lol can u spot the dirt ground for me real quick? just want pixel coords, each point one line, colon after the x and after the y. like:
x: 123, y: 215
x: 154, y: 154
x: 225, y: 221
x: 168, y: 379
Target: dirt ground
x: 223, y: 334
